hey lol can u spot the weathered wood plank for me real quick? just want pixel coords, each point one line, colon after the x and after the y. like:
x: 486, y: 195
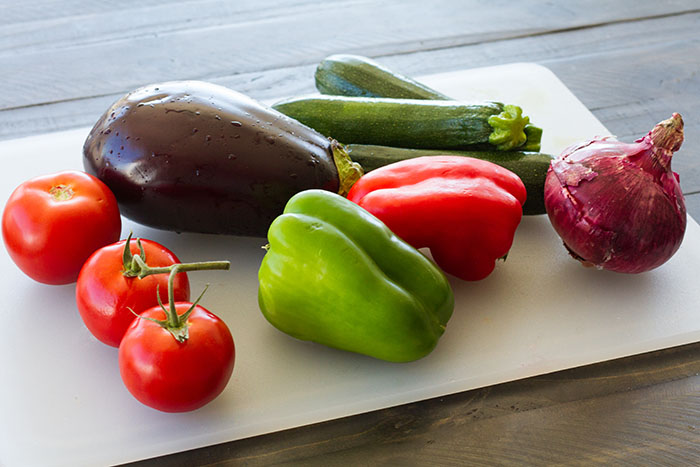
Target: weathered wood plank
x: 643, y: 409
x: 544, y: 49
x: 77, y: 24
x: 53, y: 22
x: 41, y: 76
x: 45, y: 11
x: 692, y: 204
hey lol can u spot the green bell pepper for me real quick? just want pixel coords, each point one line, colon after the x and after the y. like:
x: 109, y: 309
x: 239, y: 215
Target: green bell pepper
x: 336, y: 275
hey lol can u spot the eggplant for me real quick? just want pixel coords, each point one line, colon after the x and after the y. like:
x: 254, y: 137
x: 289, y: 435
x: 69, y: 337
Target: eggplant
x: 192, y: 156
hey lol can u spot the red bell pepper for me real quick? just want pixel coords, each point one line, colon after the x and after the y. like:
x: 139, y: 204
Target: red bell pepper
x: 464, y: 210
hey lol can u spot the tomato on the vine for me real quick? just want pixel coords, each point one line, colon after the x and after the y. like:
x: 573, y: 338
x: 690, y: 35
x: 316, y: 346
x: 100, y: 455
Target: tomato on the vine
x: 109, y: 290
x: 176, y: 366
x: 53, y: 223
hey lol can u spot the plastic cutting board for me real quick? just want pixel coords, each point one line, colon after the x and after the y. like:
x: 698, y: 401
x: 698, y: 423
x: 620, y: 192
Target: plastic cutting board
x: 62, y: 401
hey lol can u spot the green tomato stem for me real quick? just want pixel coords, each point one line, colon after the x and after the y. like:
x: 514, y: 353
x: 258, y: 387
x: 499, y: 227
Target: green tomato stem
x: 128, y: 260
x: 177, y: 324
x: 146, y: 270
x: 173, y: 318
x: 135, y: 266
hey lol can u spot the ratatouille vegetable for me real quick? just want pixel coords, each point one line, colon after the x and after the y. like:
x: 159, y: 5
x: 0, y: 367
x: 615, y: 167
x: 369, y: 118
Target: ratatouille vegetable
x: 52, y: 223
x: 530, y: 167
x: 194, y: 156
x: 411, y: 123
x: 354, y: 75
x: 335, y: 275
x: 179, y: 358
x: 619, y: 206
x: 465, y: 210
x: 121, y: 280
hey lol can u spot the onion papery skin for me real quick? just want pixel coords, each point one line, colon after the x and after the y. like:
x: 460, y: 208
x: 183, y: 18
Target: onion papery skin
x: 619, y: 206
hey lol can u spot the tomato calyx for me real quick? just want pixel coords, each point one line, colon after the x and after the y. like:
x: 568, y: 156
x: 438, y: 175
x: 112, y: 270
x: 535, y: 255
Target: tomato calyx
x: 132, y: 268
x: 135, y: 266
x: 175, y: 324
x: 61, y: 192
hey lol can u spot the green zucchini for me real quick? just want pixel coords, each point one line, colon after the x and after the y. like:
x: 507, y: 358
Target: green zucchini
x: 354, y: 75
x: 531, y: 167
x: 410, y: 123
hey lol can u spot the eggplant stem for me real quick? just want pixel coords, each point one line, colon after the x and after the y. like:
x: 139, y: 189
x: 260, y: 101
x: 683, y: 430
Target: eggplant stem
x: 348, y: 171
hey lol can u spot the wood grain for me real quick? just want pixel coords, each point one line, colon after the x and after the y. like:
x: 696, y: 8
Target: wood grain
x: 135, y: 39
x: 548, y: 49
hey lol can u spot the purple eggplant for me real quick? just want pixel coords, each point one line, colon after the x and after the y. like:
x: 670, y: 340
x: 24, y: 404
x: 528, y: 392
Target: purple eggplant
x: 191, y: 156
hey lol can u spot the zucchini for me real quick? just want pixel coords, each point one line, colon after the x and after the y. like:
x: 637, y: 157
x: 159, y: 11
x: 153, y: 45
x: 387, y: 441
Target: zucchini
x: 410, y: 123
x: 531, y: 167
x: 354, y: 75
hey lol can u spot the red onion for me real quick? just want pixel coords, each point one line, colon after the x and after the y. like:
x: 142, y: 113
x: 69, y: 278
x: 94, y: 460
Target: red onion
x: 619, y: 206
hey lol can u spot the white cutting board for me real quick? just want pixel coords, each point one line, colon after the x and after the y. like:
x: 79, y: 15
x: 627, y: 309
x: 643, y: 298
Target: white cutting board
x: 62, y: 401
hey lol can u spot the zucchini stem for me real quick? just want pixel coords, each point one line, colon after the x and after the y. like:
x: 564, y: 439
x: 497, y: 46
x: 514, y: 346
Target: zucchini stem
x: 508, y: 128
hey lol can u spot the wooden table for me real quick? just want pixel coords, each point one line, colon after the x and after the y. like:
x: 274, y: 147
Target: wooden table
x: 631, y: 63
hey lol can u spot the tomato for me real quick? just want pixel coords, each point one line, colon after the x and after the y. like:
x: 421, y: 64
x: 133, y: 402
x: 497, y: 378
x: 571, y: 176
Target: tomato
x: 174, y: 376
x: 105, y: 294
x: 53, y: 223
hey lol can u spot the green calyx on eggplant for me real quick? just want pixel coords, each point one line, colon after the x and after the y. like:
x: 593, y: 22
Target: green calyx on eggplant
x: 192, y: 156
